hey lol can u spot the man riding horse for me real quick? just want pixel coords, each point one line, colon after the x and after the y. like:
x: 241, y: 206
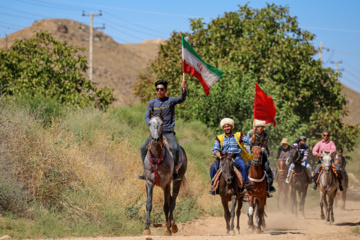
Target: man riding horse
x: 303, y: 151
x: 231, y: 143
x: 167, y: 105
x: 329, y: 147
x: 260, y: 139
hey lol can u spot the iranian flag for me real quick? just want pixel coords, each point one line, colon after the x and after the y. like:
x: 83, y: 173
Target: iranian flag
x: 194, y: 65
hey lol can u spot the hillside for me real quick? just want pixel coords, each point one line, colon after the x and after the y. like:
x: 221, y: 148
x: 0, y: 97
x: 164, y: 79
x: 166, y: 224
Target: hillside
x: 115, y: 65
x: 118, y: 65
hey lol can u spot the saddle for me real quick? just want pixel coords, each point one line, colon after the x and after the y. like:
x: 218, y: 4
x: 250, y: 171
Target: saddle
x: 216, y: 179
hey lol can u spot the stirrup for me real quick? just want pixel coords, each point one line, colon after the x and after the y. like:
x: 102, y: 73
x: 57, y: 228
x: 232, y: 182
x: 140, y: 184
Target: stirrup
x: 341, y: 188
x: 142, y: 177
x: 287, y: 180
x: 314, y: 187
x: 212, y: 192
x: 269, y: 195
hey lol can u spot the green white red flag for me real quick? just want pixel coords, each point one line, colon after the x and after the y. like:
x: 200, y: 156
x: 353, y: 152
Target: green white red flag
x: 194, y: 65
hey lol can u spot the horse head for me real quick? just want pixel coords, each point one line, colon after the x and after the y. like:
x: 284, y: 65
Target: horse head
x: 156, y: 123
x: 256, y: 160
x: 326, y: 161
x: 294, y: 155
x: 227, y: 166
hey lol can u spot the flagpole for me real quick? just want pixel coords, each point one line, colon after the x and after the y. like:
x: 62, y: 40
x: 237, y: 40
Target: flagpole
x: 253, y: 133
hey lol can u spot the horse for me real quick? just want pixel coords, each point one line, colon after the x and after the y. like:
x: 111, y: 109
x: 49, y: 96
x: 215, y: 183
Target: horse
x: 158, y: 168
x: 299, y: 182
x: 328, y: 187
x: 257, y: 197
x: 230, y: 186
x: 345, y: 181
x: 283, y: 187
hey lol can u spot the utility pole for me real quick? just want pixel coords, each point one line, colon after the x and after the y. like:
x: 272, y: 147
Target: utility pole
x: 336, y: 66
x: 320, y: 51
x: 91, y: 40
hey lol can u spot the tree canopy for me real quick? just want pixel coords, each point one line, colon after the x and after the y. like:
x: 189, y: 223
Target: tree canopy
x: 43, y: 66
x: 255, y: 45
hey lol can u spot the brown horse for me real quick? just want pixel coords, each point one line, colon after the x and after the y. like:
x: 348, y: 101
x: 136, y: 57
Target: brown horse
x: 257, y: 197
x: 345, y: 181
x: 230, y: 190
x: 299, y: 182
x: 283, y: 187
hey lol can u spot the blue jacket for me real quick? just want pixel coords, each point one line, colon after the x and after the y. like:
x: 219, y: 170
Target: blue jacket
x: 167, y: 105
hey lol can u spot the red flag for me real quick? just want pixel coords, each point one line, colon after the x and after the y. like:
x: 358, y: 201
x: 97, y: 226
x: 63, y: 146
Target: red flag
x: 264, y: 107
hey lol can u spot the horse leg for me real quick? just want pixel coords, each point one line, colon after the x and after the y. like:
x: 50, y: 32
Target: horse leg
x: 326, y: 207
x: 331, y: 203
x: 251, y: 212
x: 226, y: 214
x: 176, y: 190
x: 322, y: 216
x: 343, y: 197
x: 167, y: 200
x: 233, y: 206
x: 261, y: 209
x: 149, y: 192
x: 238, y: 212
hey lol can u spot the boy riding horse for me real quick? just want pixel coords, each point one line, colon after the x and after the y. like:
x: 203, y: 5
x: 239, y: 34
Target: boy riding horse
x: 260, y: 139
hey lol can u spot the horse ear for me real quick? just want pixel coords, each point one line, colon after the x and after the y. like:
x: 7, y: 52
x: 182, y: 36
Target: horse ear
x: 151, y: 111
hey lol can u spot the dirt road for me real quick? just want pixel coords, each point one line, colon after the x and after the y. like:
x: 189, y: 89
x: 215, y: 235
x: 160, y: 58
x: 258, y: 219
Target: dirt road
x: 280, y: 225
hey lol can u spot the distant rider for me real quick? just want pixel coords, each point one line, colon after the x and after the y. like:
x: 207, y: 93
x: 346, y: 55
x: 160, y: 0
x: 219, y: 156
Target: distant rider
x: 260, y: 139
x: 329, y: 147
x: 304, y: 152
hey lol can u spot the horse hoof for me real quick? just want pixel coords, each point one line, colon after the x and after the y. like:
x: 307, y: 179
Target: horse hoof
x: 329, y: 223
x: 146, y: 232
x: 167, y: 232
x: 258, y: 230
x: 174, y: 228
x: 232, y: 233
x: 322, y: 217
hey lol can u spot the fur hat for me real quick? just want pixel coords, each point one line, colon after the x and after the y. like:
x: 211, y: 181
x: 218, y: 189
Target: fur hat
x: 260, y: 123
x: 284, y: 141
x: 227, y: 121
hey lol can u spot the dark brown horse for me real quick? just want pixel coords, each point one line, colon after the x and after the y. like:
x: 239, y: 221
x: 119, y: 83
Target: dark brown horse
x: 230, y: 190
x: 283, y: 187
x: 299, y: 182
x: 257, y: 197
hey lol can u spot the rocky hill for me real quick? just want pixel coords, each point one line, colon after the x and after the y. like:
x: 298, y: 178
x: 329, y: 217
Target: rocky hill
x: 118, y: 65
x: 114, y: 65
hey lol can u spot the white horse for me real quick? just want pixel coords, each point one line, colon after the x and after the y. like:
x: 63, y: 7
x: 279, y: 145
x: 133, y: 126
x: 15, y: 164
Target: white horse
x: 328, y: 187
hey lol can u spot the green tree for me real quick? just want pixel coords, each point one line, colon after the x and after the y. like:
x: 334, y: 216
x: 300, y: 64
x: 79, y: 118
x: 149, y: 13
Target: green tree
x: 43, y: 66
x: 256, y: 45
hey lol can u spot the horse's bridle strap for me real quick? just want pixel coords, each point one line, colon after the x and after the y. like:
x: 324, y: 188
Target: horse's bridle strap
x: 258, y: 180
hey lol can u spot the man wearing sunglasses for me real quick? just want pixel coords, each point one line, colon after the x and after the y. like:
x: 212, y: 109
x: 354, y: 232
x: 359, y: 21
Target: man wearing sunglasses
x: 329, y: 147
x: 167, y: 105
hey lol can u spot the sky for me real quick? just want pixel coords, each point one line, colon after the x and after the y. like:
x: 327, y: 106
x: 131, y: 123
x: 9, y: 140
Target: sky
x: 336, y: 24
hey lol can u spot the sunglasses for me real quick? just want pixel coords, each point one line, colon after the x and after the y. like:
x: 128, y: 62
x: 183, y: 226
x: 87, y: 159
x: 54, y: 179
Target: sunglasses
x: 326, y: 135
x: 160, y: 89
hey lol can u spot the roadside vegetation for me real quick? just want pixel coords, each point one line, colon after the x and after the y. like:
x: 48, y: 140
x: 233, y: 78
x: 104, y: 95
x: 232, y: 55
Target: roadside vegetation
x: 74, y: 173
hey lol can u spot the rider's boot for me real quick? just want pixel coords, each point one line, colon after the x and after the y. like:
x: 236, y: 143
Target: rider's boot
x: 269, y: 195
x: 176, y: 176
x: 315, y: 184
x: 213, y: 192
x: 142, y: 176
